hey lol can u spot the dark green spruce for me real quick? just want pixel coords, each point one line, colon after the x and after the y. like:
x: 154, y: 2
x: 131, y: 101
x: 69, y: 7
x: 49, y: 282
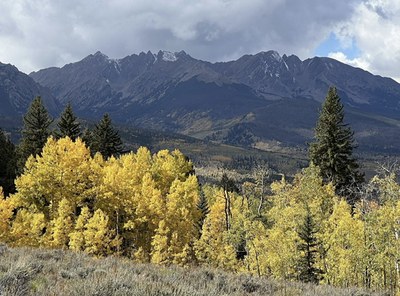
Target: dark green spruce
x: 8, y: 165
x: 308, y: 246
x: 34, y: 133
x: 333, y: 147
x: 204, y: 210
x: 68, y: 125
x: 105, y: 139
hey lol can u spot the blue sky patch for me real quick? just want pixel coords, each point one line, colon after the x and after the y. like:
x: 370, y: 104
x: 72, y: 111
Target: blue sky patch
x: 332, y: 44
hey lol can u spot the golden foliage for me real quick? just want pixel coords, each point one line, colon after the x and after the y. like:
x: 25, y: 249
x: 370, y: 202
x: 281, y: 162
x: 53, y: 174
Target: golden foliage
x: 145, y: 207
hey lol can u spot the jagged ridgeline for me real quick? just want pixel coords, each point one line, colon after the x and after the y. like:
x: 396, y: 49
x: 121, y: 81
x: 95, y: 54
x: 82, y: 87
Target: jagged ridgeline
x: 259, y: 100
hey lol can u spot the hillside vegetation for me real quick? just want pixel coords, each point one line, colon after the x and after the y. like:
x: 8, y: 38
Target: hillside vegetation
x: 25, y: 272
x: 150, y: 208
x: 325, y: 226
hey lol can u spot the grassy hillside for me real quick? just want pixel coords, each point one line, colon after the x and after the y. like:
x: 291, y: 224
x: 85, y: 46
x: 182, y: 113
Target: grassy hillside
x: 27, y: 272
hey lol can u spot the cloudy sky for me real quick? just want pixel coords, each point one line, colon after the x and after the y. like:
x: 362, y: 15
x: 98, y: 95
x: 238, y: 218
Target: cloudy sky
x: 35, y: 34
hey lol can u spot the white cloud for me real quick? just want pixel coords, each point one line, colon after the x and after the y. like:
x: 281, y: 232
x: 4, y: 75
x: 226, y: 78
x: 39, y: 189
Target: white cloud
x: 375, y: 28
x: 42, y: 33
x: 356, y: 62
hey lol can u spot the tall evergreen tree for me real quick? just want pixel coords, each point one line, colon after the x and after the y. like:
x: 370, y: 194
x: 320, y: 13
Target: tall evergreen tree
x: 105, y: 139
x: 35, y: 131
x: 68, y: 125
x: 308, y: 245
x: 7, y: 164
x: 204, y: 209
x: 333, y: 148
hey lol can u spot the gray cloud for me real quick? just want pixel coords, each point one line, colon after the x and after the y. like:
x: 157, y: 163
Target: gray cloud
x: 38, y: 33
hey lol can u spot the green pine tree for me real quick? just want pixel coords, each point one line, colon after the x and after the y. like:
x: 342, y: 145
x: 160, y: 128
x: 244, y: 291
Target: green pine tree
x: 308, y: 246
x: 34, y: 133
x: 87, y: 136
x: 333, y: 148
x: 204, y: 209
x: 68, y: 125
x: 105, y: 139
x: 8, y: 166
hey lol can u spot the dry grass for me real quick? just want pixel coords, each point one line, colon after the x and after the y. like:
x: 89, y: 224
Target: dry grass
x: 26, y: 271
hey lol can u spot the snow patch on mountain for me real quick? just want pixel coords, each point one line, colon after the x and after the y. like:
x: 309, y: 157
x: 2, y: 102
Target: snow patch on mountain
x: 168, y: 56
x: 276, y: 56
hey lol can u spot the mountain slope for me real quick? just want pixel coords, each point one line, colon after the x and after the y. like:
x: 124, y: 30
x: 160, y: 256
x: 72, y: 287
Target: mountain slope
x: 17, y: 90
x: 253, y: 101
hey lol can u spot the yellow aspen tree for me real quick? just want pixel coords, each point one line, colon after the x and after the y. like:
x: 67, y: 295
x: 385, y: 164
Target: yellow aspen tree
x: 383, y: 225
x: 76, y: 237
x: 178, y: 227
x: 7, y: 206
x: 61, y: 171
x: 28, y: 228
x: 160, y: 244
x: 62, y: 225
x: 213, y: 247
x: 256, y: 260
x: 170, y: 166
x: 93, y: 196
x: 143, y: 164
x: 183, y: 214
x: 143, y: 219
x: 125, y: 193
x: 389, y: 189
x: 241, y: 224
x: 290, y: 205
x: 281, y: 252
x: 343, y: 239
x: 385, y: 251
x: 110, y: 191
x: 98, y: 236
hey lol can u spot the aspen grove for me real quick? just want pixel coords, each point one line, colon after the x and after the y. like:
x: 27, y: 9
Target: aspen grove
x: 146, y: 207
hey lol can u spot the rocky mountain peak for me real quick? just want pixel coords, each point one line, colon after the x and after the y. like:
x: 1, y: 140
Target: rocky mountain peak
x: 7, y: 69
x: 173, y: 91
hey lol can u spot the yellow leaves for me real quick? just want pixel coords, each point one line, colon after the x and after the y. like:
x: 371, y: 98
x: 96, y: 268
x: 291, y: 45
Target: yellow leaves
x: 274, y: 250
x: 170, y: 166
x: 27, y: 228
x: 147, y: 202
x: 7, y: 207
x: 383, y: 241
x: 77, y: 239
x: 98, y: 235
x: 145, y: 206
x: 344, y: 244
x: 213, y: 247
x: 62, y: 171
x: 61, y: 226
x: 182, y: 202
x: 176, y: 231
x: 93, y: 235
x: 388, y: 187
x: 160, y: 253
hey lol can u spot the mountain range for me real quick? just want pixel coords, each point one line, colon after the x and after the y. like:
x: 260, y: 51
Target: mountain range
x: 264, y: 100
